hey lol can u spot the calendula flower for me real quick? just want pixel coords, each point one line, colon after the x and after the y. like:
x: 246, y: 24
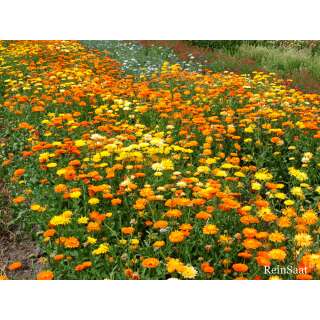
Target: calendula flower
x: 174, y: 265
x: 256, y: 186
x: 35, y: 207
x: 91, y: 240
x: 93, y: 201
x: 158, y: 244
x: 102, y: 249
x: 240, y: 267
x: 15, y: 266
x: 189, y: 272
x: 71, y: 243
x: 210, y: 229
x: 75, y: 194
x: 303, y: 240
x: 51, y: 165
x: 298, y: 174
x: 83, y: 220
x: 176, y: 236
x: 277, y: 254
x: 150, y: 263
x: 45, y: 275
x: 297, y: 192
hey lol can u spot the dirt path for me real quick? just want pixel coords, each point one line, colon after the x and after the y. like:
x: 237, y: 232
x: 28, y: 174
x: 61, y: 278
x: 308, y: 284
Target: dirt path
x: 15, y: 245
x: 24, y: 250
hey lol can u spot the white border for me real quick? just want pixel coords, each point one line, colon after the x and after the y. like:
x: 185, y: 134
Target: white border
x: 155, y: 19
x: 159, y: 299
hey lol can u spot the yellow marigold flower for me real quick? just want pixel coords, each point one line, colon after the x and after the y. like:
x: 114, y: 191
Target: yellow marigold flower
x: 256, y: 186
x: 277, y: 254
x: 210, y: 229
x: 51, y: 165
x: 280, y: 195
x: 174, y: 265
x: 75, y: 194
x: 297, y: 192
x: 103, y: 248
x: 91, y: 240
x: 61, y: 172
x: 275, y: 278
x: 263, y: 175
x: 189, y: 272
x: 298, y: 174
x: 93, y: 201
x: 134, y: 242
x: 203, y: 169
x: 310, y: 217
x: 289, y: 202
x: 239, y: 174
x: 60, y: 220
x: 167, y: 164
x: 303, y: 240
x: 3, y: 277
x: 80, y: 143
x: 83, y: 220
x: 158, y: 244
x: 35, y: 207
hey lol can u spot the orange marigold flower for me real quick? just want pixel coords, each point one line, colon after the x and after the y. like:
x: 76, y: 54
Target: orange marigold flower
x: 150, y: 263
x: 206, y: 268
x: 45, y: 275
x: 245, y: 255
x: 19, y: 199
x: 263, y: 261
x: 262, y: 235
x: 59, y: 188
x: 15, y: 266
x: 210, y: 229
x: 203, y: 215
x: 176, y: 236
x: 19, y: 172
x: 160, y: 224
x: 127, y: 230
x: 240, y: 267
x: 83, y: 266
x: 71, y: 243
x: 173, y: 213
x: 93, y: 227
x: 251, y: 243
x: 140, y: 204
x: 116, y: 202
x: 49, y: 233
x: 249, y: 232
x: 303, y: 276
x: 58, y: 257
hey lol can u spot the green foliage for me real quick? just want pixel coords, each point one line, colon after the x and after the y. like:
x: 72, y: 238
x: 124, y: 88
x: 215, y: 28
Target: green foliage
x: 228, y: 45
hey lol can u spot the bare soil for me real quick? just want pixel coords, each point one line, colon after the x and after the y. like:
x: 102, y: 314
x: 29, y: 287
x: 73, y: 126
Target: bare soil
x: 15, y: 244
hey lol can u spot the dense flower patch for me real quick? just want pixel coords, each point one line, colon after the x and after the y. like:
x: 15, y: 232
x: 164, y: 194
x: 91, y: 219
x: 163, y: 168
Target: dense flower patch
x: 172, y: 174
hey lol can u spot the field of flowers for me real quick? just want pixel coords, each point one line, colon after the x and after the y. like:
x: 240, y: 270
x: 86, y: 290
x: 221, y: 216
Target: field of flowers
x: 167, y: 171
